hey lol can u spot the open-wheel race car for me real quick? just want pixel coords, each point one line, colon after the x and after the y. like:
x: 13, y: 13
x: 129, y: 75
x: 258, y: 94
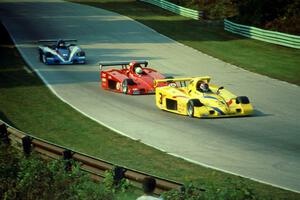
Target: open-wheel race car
x: 61, y: 52
x: 130, y: 78
x: 196, y: 97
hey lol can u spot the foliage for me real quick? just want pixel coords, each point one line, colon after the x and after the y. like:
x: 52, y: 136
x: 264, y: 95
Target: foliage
x: 209, y: 191
x: 9, y: 167
x: 276, y: 15
x: 113, y: 185
x: 288, y: 22
x: 222, y: 9
x: 187, y: 192
x: 261, y: 11
x: 33, y: 178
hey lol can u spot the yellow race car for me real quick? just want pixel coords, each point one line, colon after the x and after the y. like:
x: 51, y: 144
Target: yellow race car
x: 196, y: 97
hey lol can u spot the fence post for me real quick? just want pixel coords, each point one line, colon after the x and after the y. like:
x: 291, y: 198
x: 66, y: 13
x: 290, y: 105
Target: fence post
x: 118, y: 175
x: 204, y: 15
x: 67, y: 156
x: 4, y: 134
x: 26, y: 143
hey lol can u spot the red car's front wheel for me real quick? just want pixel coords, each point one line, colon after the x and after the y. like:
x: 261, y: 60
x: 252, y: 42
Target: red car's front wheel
x: 125, y: 86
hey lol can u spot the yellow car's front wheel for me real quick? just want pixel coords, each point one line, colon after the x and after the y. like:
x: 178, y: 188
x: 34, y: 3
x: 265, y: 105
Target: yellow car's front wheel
x: 190, y: 109
x: 191, y: 106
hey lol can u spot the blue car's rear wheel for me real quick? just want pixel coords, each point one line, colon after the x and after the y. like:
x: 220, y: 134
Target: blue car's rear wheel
x: 41, y: 55
x: 44, y: 59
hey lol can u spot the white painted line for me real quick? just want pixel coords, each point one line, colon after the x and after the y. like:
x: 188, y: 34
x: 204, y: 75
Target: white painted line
x: 29, y: 71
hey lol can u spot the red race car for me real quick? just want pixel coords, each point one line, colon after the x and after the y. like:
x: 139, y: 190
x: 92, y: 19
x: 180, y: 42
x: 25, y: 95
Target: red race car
x: 132, y: 77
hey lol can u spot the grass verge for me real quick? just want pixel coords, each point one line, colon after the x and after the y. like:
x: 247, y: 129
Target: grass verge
x: 26, y: 103
x: 209, y: 37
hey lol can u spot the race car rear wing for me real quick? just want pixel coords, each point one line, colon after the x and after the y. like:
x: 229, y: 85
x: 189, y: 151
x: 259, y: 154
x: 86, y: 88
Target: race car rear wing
x: 181, y: 82
x: 124, y: 64
x: 171, y: 80
x: 56, y: 40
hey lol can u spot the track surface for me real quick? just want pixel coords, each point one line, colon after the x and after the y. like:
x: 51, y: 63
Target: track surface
x: 264, y: 147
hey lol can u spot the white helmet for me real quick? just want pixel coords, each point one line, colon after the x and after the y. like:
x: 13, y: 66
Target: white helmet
x: 138, y: 70
x: 204, y: 87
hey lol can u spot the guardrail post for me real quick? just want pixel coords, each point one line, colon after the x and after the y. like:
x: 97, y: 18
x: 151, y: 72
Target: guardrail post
x: 4, y: 134
x: 26, y: 143
x: 67, y: 156
x: 203, y: 15
x: 119, y: 174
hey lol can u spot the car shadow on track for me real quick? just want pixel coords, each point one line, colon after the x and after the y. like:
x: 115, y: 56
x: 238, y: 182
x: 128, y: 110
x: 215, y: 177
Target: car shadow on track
x: 258, y: 113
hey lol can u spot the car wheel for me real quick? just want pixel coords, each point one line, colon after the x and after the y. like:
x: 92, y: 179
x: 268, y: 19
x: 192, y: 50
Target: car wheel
x: 191, y: 106
x: 44, y: 60
x: 190, y: 109
x: 125, y: 86
x: 160, y: 98
x: 41, y: 56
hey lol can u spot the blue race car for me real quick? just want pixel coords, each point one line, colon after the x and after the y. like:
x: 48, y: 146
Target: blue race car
x: 61, y: 52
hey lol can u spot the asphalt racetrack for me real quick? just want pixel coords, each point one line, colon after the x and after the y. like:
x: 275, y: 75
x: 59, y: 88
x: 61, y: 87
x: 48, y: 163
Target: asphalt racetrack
x: 265, y: 147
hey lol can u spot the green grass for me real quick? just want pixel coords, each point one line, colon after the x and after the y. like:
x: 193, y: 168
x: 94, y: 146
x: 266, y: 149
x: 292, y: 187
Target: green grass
x: 209, y: 37
x: 26, y: 103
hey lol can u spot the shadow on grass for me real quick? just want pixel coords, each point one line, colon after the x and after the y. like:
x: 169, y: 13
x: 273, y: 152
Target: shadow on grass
x: 4, y: 118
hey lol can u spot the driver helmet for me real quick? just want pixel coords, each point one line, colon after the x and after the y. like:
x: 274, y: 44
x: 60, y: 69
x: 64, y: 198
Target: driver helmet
x: 138, y: 70
x: 204, y: 87
x: 61, y: 43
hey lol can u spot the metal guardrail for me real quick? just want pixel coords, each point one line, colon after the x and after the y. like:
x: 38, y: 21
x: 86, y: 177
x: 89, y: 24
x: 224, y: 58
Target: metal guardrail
x: 186, y: 12
x: 278, y: 38
x: 94, y: 166
x: 273, y: 37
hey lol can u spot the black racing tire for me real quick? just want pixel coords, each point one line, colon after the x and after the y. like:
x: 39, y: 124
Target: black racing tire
x: 190, y: 109
x: 242, y: 100
x: 191, y: 106
x: 80, y: 53
x: 41, y: 55
x: 125, y: 86
x: 160, y: 101
x: 44, y: 60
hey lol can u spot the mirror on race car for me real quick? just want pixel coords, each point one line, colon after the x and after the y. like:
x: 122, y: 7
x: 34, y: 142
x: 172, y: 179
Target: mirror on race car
x: 220, y: 88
